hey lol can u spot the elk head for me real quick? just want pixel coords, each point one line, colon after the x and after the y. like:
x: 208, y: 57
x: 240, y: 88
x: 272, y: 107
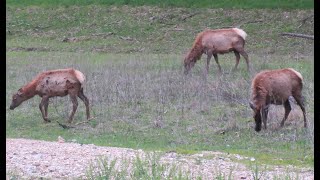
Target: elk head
x: 188, y: 64
x: 17, y: 99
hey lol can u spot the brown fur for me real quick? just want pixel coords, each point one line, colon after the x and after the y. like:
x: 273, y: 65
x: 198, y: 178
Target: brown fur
x: 213, y: 42
x: 60, y: 82
x: 275, y: 87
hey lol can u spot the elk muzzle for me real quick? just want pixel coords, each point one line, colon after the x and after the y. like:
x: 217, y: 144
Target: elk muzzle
x: 12, y: 107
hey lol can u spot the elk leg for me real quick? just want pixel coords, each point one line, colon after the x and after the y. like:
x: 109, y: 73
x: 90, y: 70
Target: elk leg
x: 257, y: 118
x: 236, y: 53
x: 85, y: 101
x: 217, y: 61
x: 245, y: 55
x: 46, y: 104
x: 42, y: 107
x: 74, y: 108
x: 209, y: 55
x: 300, y: 102
x: 287, y: 109
x: 264, y: 112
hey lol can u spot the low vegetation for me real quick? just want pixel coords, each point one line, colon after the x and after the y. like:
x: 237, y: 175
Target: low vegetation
x: 153, y: 167
x: 132, y: 58
x: 289, y: 4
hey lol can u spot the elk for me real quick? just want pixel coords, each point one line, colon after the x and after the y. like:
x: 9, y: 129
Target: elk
x: 214, y: 42
x: 60, y: 82
x: 275, y: 87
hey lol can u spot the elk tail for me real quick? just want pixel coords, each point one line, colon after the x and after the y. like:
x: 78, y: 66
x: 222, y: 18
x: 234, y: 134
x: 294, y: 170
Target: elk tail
x: 297, y: 73
x: 240, y: 32
x: 80, y: 76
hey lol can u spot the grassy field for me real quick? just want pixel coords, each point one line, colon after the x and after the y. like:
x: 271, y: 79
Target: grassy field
x: 132, y: 58
x: 248, y: 4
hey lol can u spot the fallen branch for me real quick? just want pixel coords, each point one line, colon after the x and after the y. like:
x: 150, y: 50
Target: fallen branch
x: 189, y: 16
x: 68, y: 127
x: 103, y: 34
x: 298, y: 35
x: 64, y: 126
x: 83, y: 122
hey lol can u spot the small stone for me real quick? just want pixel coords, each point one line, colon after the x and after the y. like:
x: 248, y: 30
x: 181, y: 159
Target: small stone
x: 239, y: 157
x: 61, y: 140
x: 33, y: 153
x: 152, y: 18
x: 252, y: 159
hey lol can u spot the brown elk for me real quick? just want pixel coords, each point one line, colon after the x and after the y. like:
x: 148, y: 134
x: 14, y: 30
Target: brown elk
x: 275, y: 87
x: 213, y: 42
x: 60, y: 82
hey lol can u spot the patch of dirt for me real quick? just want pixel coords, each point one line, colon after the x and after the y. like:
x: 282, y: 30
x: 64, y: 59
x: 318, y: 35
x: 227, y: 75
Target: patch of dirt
x: 27, y: 49
x: 60, y: 160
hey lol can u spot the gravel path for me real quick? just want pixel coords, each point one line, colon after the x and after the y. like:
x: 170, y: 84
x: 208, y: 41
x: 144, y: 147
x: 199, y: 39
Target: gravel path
x: 61, y: 160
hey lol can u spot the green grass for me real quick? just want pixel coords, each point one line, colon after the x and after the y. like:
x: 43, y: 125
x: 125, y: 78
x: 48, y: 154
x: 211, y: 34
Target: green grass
x: 138, y: 96
x: 247, y: 4
x: 136, y: 87
x: 150, y: 29
x: 151, y: 167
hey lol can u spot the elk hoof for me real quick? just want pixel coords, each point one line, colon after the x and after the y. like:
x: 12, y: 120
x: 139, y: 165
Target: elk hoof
x: 46, y: 120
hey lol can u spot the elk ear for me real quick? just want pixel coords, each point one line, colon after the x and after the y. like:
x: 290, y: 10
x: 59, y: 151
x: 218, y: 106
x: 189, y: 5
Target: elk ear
x: 252, y: 106
x: 19, y: 92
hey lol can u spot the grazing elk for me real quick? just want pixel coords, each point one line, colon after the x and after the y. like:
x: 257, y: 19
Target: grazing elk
x: 275, y: 87
x: 60, y: 82
x: 213, y: 42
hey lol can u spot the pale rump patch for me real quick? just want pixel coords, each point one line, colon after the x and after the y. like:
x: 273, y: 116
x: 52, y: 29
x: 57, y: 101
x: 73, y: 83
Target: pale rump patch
x: 80, y: 76
x: 240, y: 32
x: 296, y: 72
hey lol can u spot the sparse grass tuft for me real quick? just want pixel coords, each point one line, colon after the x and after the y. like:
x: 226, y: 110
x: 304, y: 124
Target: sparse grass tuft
x: 151, y: 166
x: 148, y: 167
